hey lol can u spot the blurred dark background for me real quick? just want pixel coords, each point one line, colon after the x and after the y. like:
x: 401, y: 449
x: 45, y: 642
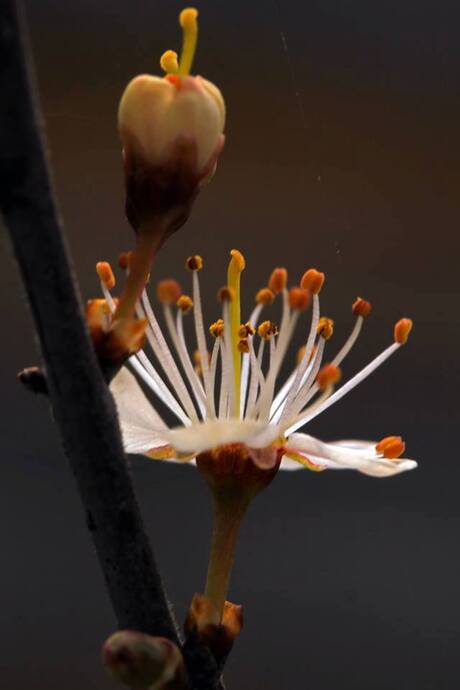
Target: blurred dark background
x: 342, y: 153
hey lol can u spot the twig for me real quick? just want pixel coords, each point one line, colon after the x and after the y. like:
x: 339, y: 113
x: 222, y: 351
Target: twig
x: 82, y: 405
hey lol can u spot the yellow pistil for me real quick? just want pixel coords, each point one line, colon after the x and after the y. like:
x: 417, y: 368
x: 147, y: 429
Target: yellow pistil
x: 169, y: 62
x: 236, y: 266
x: 189, y: 24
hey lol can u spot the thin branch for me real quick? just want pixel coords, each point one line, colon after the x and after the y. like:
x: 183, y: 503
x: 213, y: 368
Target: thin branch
x: 82, y: 405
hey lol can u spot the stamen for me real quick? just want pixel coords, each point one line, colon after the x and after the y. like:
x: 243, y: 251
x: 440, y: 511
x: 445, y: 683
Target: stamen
x: 303, y: 418
x: 278, y: 280
x: 325, y: 328
x: 265, y: 296
x: 299, y: 376
x: 328, y: 376
x: 189, y: 24
x: 194, y: 263
x: 245, y: 330
x: 169, y: 62
x: 163, y: 353
x: 243, y: 345
x: 267, y: 330
x: 168, y: 291
x: 235, y: 268
x: 225, y: 294
x: 361, y: 307
x: 299, y: 299
x: 184, y: 359
x: 312, y: 280
x: 402, y: 330
x: 391, y: 447
x: 123, y: 260
x: 216, y: 329
x: 143, y: 366
x: 105, y: 273
x: 184, y: 304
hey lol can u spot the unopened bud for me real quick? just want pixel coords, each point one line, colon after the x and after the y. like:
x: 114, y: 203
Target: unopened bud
x: 203, y: 620
x: 141, y: 661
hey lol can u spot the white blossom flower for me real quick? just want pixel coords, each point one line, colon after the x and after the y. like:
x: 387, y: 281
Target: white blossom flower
x: 234, y: 395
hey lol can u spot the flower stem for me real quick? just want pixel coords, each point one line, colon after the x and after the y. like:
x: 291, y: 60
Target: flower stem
x: 229, y: 510
x: 140, y: 265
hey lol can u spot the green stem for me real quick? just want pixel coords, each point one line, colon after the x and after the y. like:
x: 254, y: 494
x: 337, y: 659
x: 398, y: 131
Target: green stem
x: 229, y: 511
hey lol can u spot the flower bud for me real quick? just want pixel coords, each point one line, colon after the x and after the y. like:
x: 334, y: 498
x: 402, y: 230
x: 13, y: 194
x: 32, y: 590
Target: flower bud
x: 171, y: 129
x: 157, y: 112
x: 141, y: 661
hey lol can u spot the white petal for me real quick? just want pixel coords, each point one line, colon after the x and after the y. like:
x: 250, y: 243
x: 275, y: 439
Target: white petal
x: 210, y: 434
x: 357, y: 455
x: 141, y: 426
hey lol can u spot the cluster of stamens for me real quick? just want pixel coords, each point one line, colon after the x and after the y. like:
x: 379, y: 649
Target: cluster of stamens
x: 238, y: 378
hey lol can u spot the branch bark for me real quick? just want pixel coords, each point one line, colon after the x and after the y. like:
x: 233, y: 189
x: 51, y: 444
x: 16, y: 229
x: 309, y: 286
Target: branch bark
x: 82, y: 405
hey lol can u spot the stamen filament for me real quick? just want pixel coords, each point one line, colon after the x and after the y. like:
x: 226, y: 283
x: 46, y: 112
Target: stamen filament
x: 184, y: 359
x: 201, y: 340
x: 303, y: 418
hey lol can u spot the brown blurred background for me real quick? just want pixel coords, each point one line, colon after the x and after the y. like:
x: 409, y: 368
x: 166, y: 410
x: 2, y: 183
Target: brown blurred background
x: 342, y: 153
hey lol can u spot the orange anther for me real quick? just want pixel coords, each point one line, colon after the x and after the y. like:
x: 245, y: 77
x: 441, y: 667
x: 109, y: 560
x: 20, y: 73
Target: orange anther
x: 243, y: 345
x: 277, y: 281
x: 105, y: 273
x: 328, y: 375
x: 391, y: 447
x: 168, y: 291
x: 312, y: 280
x: 245, y: 330
x: 216, y: 329
x: 194, y: 263
x: 402, y: 330
x: 325, y: 327
x: 123, y: 260
x: 184, y: 303
x: 265, y: 296
x: 361, y: 307
x: 267, y: 329
x: 299, y: 298
x: 226, y: 294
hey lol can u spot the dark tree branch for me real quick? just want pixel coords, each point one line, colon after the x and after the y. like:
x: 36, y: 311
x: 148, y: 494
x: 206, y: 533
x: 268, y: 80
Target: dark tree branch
x: 82, y: 405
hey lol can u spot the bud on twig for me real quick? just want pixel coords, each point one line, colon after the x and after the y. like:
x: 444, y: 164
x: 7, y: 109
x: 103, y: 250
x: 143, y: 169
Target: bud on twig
x: 143, y: 662
x: 219, y: 637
